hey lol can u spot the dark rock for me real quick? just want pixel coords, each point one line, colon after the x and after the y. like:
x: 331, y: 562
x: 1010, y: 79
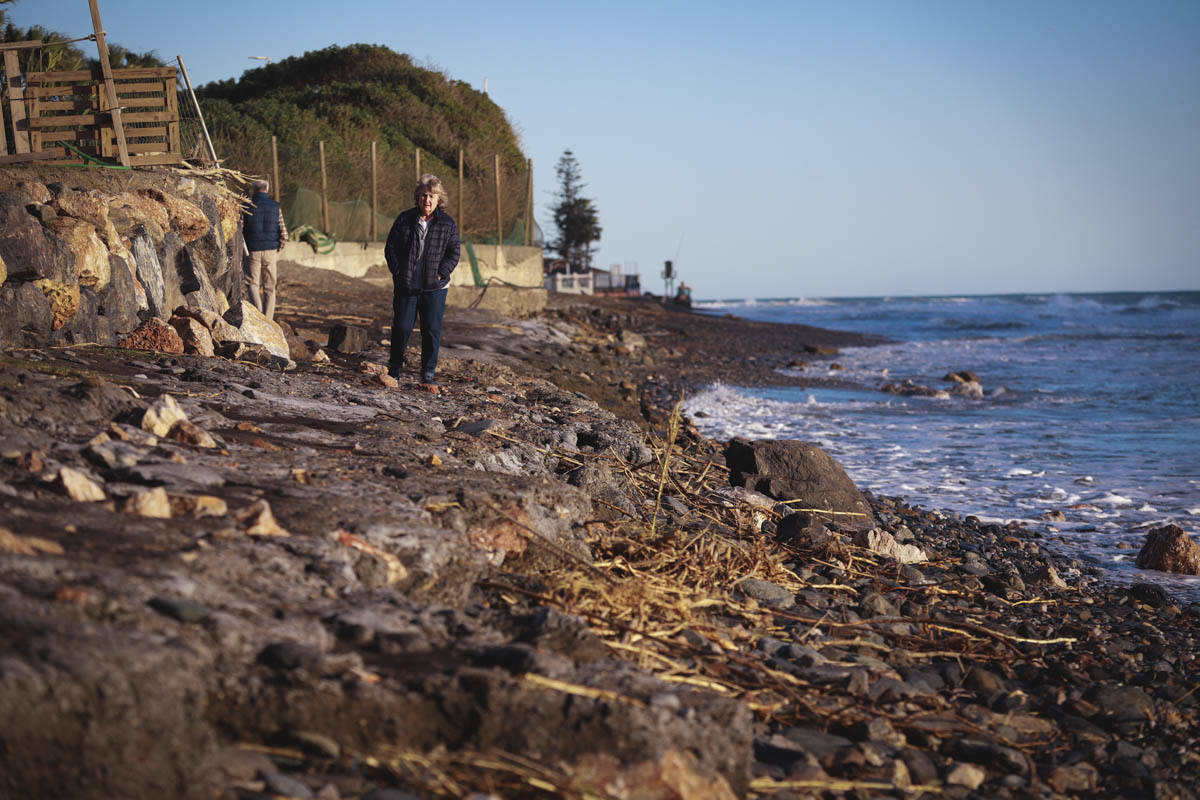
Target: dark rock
x: 290, y: 656
x: 347, y: 339
x: 26, y: 251
x: 1169, y: 549
x: 117, y: 303
x: 285, y: 785
x: 821, y: 745
x: 389, y: 794
x: 791, y: 470
x: 476, y: 428
x: 25, y: 315
x: 1150, y: 593
x: 88, y: 324
x: 180, y: 609
x: 1123, y: 703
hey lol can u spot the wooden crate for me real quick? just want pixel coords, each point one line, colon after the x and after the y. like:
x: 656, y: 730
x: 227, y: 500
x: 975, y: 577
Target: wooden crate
x: 65, y: 107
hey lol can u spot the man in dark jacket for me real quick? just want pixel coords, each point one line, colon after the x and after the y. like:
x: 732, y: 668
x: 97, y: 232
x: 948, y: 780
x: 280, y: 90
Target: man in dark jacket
x: 264, y: 232
x: 422, y: 250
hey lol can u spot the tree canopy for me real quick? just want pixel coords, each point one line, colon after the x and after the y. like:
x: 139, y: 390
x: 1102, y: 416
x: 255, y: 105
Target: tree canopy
x: 575, y: 216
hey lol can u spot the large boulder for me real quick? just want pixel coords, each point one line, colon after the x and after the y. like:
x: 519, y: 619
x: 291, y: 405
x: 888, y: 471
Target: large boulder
x: 155, y: 335
x: 121, y: 300
x: 24, y: 248
x: 254, y: 328
x: 1169, y: 549
x: 64, y: 300
x: 88, y: 324
x: 92, y: 208
x: 25, y: 315
x: 134, y: 213
x: 801, y: 474
x: 149, y: 272
x: 87, y: 252
x: 185, y: 217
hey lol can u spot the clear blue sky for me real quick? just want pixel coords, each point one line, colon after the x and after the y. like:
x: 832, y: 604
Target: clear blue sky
x: 802, y: 148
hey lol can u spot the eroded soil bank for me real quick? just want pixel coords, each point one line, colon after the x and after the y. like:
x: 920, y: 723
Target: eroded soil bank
x: 323, y: 586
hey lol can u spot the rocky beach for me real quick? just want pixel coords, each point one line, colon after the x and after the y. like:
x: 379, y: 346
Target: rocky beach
x: 272, y: 571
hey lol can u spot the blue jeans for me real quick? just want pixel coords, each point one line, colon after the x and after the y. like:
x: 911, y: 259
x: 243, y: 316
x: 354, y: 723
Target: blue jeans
x: 431, y: 307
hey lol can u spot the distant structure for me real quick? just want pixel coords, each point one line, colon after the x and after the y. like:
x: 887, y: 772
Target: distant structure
x: 668, y: 276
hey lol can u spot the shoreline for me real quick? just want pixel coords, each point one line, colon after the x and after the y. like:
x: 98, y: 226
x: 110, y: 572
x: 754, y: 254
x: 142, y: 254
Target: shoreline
x: 514, y: 574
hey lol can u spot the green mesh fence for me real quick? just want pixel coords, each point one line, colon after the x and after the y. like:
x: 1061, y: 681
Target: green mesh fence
x: 350, y: 221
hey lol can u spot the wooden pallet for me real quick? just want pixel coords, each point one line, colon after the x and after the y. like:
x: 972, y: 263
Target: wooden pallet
x: 66, y: 108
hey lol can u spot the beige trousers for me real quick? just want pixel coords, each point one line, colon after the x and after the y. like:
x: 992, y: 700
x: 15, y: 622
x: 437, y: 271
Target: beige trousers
x: 258, y: 278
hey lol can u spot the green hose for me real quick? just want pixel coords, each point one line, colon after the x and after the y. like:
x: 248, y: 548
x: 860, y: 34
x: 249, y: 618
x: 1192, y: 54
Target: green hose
x: 95, y: 162
x: 322, y: 243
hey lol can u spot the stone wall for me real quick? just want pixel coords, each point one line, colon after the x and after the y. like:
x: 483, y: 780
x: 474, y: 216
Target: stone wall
x: 92, y: 257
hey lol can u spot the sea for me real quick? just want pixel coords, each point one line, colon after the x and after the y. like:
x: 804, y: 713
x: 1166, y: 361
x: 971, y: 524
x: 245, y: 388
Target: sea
x: 1088, y: 431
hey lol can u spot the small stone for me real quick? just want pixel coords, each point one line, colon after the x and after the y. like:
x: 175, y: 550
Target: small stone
x: 180, y: 609
x: 967, y: 775
x: 347, y: 339
x: 196, y: 338
x: 1123, y: 703
x: 257, y: 520
x: 189, y: 433
x: 286, y: 786
x: 771, y: 594
x: 196, y: 506
x: 1046, y: 574
x: 79, y: 486
x: 320, y: 357
x: 387, y: 381
x: 880, y: 541
x: 162, y: 415
x: 1080, y: 777
x: 151, y: 503
x: 27, y: 545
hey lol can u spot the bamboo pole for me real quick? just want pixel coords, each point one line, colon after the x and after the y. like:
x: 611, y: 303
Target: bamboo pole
x: 275, y: 168
x: 324, y: 195
x: 417, y: 163
x: 499, y: 216
x: 461, y: 192
x: 110, y: 88
x: 374, y: 197
x: 529, y: 207
x: 196, y: 105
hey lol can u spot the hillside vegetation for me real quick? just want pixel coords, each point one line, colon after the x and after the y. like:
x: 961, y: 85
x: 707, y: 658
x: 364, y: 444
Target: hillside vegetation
x: 351, y: 96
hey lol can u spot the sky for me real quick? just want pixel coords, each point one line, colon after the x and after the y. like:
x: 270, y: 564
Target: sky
x: 801, y: 149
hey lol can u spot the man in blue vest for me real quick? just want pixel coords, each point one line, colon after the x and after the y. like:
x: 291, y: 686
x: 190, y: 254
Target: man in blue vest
x: 265, y: 232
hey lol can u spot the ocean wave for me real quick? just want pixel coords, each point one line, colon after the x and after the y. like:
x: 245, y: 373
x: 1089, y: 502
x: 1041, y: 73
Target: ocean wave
x: 754, y: 302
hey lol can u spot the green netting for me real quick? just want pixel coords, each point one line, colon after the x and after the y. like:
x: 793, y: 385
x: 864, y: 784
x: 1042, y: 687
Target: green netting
x: 349, y: 221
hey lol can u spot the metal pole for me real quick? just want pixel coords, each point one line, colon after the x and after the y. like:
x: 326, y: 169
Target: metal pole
x: 196, y: 105
x: 461, y: 191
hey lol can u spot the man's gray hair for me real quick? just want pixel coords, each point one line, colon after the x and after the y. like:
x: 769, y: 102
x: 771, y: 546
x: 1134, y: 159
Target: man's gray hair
x: 262, y: 185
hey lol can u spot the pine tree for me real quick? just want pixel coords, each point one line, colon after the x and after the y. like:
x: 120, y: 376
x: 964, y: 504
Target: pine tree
x: 575, y: 216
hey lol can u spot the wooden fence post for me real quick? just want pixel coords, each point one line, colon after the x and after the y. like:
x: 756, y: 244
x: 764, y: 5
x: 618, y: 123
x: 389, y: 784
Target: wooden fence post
x: 462, y: 225
x: 529, y: 207
x: 417, y: 164
x: 114, y: 105
x: 275, y: 169
x: 324, y: 195
x: 499, y: 216
x: 374, y: 198
x: 16, y: 100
